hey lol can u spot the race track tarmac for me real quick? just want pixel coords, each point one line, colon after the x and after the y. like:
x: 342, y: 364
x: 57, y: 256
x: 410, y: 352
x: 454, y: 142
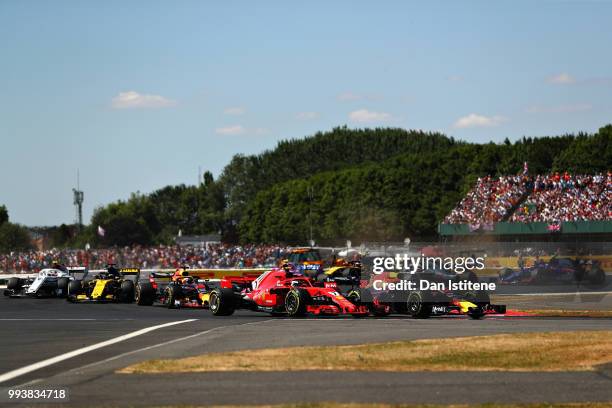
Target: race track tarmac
x: 37, y: 329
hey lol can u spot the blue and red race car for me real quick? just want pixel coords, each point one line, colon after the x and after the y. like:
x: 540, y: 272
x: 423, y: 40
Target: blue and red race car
x: 556, y: 270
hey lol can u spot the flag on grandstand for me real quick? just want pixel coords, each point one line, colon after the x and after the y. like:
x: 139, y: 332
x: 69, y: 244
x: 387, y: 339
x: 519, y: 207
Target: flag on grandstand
x: 556, y: 227
x: 101, y: 231
x: 525, y: 169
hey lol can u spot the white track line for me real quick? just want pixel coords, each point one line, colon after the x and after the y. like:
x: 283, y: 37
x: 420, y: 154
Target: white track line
x: 44, y: 363
x: 554, y: 294
x: 165, y: 343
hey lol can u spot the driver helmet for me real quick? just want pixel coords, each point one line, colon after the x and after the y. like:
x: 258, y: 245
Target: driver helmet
x: 111, y: 268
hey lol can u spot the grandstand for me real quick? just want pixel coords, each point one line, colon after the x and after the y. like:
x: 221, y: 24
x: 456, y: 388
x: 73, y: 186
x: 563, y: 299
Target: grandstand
x: 551, y: 206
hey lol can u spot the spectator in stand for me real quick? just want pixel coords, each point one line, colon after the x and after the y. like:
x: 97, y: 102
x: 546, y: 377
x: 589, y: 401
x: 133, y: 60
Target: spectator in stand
x: 550, y: 198
x: 556, y: 198
x: 212, y: 256
x: 489, y: 201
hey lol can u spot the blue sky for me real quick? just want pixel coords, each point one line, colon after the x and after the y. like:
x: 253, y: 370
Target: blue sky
x: 139, y: 94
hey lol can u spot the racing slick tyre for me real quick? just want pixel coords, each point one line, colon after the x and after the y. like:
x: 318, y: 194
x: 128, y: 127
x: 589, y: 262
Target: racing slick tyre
x: 62, y: 286
x: 296, y: 302
x: 597, y: 277
x: 74, y: 289
x: 13, y: 283
x: 144, y: 294
x: 222, y: 302
x: 172, y: 294
x: 417, y: 306
x: 126, y: 292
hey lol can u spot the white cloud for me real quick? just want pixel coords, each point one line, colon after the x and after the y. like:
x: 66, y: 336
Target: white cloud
x: 579, y: 107
x: 349, y: 96
x: 133, y: 99
x: 562, y: 79
x: 234, y: 110
x: 364, y: 115
x: 230, y: 130
x: 475, y: 120
x: 261, y: 131
x: 307, y: 115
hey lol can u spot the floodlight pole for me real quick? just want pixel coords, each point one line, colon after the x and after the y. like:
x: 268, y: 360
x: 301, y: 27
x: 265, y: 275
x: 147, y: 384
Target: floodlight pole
x: 78, y: 197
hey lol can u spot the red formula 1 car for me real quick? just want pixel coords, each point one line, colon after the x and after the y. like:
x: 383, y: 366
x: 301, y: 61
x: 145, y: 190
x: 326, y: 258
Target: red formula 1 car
x: 281, y: 292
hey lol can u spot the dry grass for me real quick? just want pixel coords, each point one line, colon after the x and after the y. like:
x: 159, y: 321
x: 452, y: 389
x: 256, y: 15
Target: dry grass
x: 555, y: 351
x: 568, y: 313
x: 355, y: 405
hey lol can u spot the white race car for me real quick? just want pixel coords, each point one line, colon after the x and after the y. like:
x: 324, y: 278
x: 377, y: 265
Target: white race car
x: 49, y: 282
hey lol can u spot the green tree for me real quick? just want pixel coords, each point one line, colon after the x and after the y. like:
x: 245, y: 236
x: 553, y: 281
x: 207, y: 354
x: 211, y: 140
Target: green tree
x: 14, y: 237
x: 4, y: 217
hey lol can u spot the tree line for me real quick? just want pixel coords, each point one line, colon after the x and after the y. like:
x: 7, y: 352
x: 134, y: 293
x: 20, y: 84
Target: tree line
x: 360, y: 184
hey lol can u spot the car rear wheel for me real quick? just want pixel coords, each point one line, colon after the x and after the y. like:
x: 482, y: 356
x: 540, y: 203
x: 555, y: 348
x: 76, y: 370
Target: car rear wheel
x: 172, y: 294
x: 62, y: 286
x: 296, y: 302
x: 597, y: 277
x: 126, y: 291
x: 222, y: 302
x: 13, y: 283
x: 145, y: 294
x: 74, y: 289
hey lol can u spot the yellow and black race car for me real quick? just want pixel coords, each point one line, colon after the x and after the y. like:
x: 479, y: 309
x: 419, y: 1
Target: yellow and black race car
x: 113, y: 285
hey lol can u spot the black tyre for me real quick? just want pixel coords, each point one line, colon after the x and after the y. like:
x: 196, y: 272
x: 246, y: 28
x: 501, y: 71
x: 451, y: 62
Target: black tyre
x: 144, y: 294
x: 417, y: 306
x: 75, y: 288
x: 597, y: 277
x: 361, y: 296
x: 62, y: 286
x: 13, y: 283
x: 222, y: 302
x: 126, y: 291
x: 296, y: 302
x: 172, y: 294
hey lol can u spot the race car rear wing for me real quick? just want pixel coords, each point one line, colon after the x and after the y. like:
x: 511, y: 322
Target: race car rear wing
x: 130, y: 273
x: 78, y: 272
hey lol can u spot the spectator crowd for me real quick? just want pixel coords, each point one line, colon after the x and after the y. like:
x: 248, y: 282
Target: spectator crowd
x: 211, y: 256
x: 564, y: 197
x: 489, y: 201
x: 551, y: 198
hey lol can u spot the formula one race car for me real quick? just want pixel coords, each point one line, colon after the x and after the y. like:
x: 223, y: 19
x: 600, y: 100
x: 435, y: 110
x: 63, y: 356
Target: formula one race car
x: 383, y: 300
x: 173, y: 290
x: 113, y: 285
x: 49, y: 282
x: 556, y: 270
x: 307, y: 261
x: 281, y: 292
x: 342, y: 272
